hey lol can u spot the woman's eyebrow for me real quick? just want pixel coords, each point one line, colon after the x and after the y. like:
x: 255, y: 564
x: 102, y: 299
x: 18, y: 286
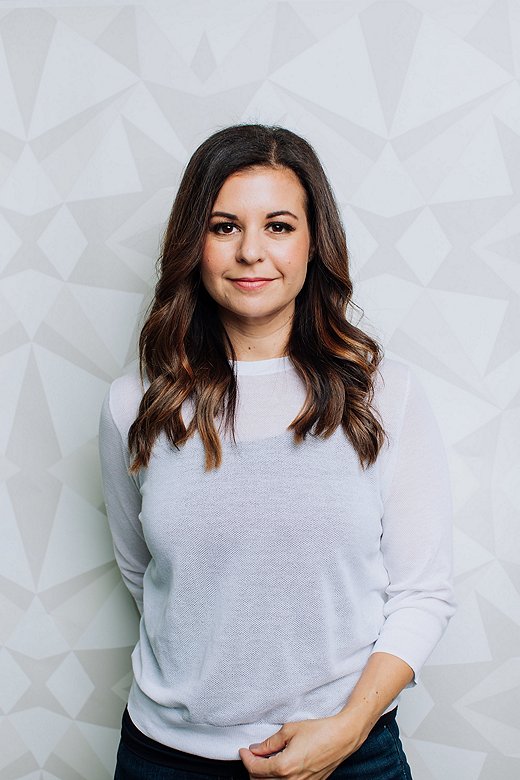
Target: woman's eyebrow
x: 268, y: 216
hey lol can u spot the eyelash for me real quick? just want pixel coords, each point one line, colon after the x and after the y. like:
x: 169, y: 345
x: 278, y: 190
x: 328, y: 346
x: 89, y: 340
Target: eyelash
x: 214, y: 228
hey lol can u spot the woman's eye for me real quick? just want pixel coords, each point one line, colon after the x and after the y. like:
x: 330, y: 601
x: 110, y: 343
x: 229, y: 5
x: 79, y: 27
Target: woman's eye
x: 226, y: 228
x: 283, y: 225
x: 216, y: 228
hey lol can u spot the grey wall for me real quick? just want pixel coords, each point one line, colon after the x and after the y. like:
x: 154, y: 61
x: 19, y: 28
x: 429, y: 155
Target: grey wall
x: 414, y: 109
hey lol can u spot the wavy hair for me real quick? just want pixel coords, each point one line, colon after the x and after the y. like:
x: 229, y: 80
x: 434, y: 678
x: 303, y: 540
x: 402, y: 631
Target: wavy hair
x: 184, y: 350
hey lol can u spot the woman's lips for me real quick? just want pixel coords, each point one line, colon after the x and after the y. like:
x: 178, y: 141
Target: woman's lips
x: 247, y: 285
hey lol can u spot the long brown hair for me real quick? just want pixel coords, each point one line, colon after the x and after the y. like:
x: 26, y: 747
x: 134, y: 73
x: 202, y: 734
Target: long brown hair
x: 184, y: 349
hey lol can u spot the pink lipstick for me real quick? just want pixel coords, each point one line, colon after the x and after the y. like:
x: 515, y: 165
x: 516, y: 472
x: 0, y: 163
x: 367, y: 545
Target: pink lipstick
x: 251, y: 284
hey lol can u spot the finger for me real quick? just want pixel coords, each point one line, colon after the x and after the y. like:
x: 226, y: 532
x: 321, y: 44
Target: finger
x: 272, y: 744
x: 260, y: 766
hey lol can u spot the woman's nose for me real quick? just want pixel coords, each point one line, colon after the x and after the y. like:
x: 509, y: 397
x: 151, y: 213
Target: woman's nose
x: 251, y: 247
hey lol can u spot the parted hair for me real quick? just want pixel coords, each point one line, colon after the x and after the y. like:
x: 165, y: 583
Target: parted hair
x: 184, y: 350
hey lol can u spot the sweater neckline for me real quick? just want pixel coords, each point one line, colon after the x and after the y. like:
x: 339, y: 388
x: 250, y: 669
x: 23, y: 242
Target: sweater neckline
x: 257, y: 367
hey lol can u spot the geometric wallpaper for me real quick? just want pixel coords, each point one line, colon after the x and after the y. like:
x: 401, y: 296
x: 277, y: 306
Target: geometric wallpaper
x: 414, y: 110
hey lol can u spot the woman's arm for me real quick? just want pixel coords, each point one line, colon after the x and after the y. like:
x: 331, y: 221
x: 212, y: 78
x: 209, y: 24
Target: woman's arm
x: 382, y: 680
x: 416, y: 541
x: 122, y: 501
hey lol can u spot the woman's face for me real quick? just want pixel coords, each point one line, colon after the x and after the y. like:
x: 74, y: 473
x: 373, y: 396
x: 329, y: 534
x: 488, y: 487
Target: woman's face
x: 247, y: 240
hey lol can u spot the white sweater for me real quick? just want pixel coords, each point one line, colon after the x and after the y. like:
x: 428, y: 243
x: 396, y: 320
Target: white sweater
x: 265, y: 585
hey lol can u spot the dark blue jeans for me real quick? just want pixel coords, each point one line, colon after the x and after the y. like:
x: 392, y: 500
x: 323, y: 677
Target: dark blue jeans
x: 380, y: 757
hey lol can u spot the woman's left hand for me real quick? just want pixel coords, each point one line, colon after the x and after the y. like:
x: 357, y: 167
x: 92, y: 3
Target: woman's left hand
x: 302, y: 749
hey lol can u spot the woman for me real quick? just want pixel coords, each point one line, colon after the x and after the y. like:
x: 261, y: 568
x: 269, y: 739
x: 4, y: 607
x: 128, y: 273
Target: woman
x: 277, y: 490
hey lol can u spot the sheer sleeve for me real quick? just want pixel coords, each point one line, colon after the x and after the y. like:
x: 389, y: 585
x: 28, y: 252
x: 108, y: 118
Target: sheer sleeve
x: 123, y: 504
x: 416, y: 540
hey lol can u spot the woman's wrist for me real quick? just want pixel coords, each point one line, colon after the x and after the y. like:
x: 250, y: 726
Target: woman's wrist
x: 382, y: 679
x: 357, y: 721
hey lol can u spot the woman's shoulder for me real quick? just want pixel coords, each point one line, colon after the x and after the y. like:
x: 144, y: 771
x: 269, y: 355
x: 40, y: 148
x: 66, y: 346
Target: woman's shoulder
x: 400, y: 393
x: 392, y: 383
x: 392, y: 377
x: 124, y: 396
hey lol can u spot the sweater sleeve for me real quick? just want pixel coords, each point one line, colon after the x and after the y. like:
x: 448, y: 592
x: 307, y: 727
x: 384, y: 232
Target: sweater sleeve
x: 416, y: 541
x: 123, y: 504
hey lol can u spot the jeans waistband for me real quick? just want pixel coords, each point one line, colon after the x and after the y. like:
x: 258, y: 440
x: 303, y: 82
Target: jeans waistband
x: 150, y: 750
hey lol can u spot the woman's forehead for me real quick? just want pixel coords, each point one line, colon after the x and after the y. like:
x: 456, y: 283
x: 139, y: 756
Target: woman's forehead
x: 261, y: 185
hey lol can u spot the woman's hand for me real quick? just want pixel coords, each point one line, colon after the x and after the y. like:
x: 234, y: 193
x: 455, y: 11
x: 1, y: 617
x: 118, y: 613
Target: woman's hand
x: 304, y: 749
